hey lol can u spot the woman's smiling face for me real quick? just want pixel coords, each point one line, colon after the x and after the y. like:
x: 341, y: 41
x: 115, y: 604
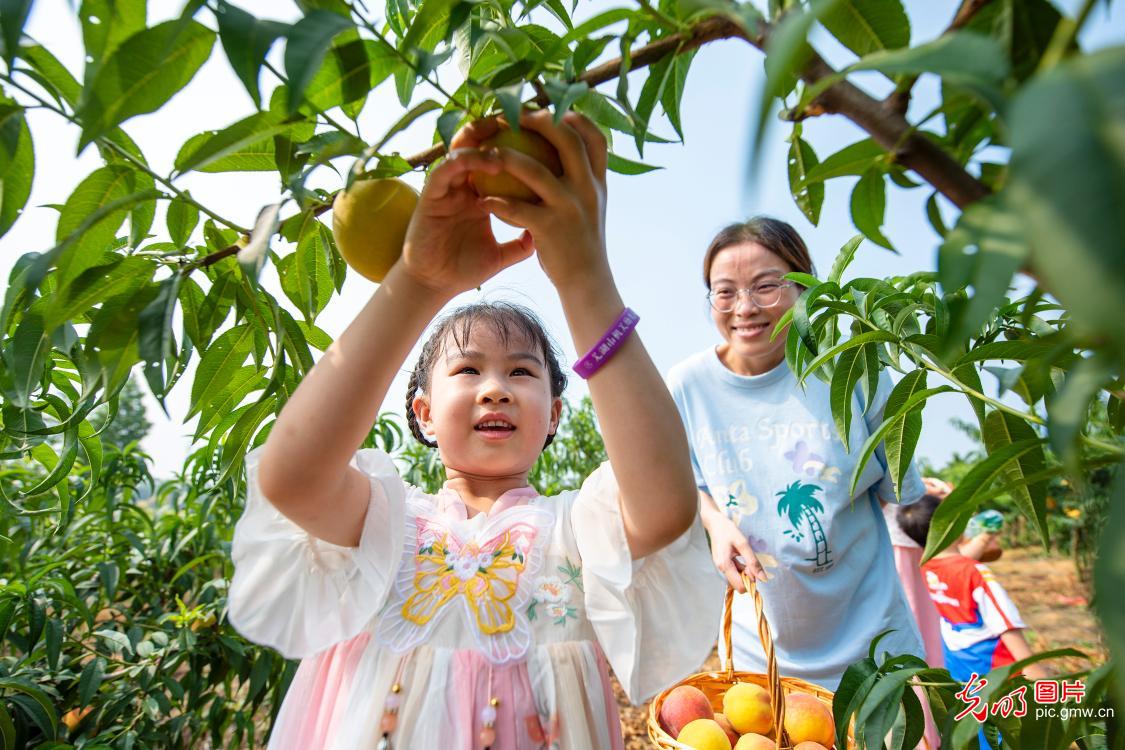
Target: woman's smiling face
x: 747, y: 328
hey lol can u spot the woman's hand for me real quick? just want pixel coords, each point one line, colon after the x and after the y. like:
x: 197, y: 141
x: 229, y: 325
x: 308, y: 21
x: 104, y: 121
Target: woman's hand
x: 568, y: 226
x: 730, y: 550
x: 449, y: 245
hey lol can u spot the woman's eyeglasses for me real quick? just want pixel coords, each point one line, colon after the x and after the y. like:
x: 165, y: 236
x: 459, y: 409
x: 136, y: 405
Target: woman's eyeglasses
x: 766, y: 294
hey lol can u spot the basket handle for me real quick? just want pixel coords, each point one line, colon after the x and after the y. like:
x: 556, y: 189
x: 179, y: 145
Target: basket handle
x: 777, y: 695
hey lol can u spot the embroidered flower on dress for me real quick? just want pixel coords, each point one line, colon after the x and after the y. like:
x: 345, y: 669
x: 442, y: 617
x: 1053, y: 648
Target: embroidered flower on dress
x: 551, y: 594
x: 559, y: 611
x: 551, y: 590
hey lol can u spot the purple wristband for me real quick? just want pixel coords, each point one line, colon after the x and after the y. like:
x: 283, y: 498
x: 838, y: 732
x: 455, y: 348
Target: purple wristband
x: 602, y: 351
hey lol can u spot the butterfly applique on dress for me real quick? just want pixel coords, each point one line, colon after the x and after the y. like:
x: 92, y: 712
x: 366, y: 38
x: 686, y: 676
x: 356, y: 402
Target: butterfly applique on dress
x: 483, y: 575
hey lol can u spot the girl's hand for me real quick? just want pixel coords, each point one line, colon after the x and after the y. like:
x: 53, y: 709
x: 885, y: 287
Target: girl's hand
x: 568, y: 226
x: 727, y: 543
x: 449, y: 245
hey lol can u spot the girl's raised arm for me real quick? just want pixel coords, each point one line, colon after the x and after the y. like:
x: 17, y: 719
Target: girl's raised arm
x: 643, y: 434
x: 449, y: 248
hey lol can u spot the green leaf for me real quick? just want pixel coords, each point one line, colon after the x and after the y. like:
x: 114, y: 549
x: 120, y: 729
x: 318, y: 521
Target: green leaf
x: 1065, y: 186
x: 621, y: 165
x: 1068, y: 412
x: 787, y: 51
x: 808, y: 197
x: 563, y: 94
x: 959, y: 57
x: 293, y: 339
x: 242, y: 383
x: 1109, y: 579
x: 90, y: 680
x: 142, y: 74
x: 864, y: 26
x: 1001, y: 429
x: 651, y: 92
x: 121, y: 276
x: 881, y: 707
x: 862, y: 339
x: 849, y: 369
x: 850, y: 694
x: 1017, y: 351
x: 869, y: 198
x: 1023, y: 28
x: 237, y: 441
x: 308, y: 42
x: 430, y: 25
x: 215, y: 307
x: 13, y: 16
x: 802, y: 308
x: 917, y: 400
x: 952, y: 516
x: 104, y: 189
x: 984, y: 250
x: 41, y: 709
x: 247, y: 41
x: 350, y: 69
x: 674, y: 92
x: 108, y: 23
x: 53, y: 72
x: 25, y: 358
x: 247, y: 145
x: 902, y: 438
x: 183, y: 217
x: 844, y: 258
x: 219, y: 364
x: 306, y: 276
x: 17, y: 165
x: 116, y: 641
x: 856, y: 158
x: 447, y: 125
x: 157, y: 340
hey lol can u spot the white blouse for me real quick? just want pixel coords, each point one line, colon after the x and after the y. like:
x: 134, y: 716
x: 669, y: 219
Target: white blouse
x: 524, y: 605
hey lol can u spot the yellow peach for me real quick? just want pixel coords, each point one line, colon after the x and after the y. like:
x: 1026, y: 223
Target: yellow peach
x: 704, y: 734
x: 808, y: 719
x: 748, y: 707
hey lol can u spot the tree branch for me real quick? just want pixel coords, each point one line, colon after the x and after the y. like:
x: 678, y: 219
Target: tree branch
x: 891, y: 131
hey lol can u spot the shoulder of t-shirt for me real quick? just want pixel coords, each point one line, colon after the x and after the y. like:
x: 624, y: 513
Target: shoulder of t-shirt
x: 686, y: 369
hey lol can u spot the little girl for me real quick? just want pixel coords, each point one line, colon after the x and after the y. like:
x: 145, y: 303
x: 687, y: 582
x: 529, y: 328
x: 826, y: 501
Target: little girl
x: 483, y: 616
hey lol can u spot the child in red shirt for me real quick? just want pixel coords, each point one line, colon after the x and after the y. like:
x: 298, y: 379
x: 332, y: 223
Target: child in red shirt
x: 981, y: 628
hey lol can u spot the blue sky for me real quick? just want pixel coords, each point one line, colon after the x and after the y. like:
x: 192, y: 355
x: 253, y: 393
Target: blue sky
x: 658, y: 224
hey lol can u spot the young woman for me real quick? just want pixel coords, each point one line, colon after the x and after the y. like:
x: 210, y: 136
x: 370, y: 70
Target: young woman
x: 773, y: 475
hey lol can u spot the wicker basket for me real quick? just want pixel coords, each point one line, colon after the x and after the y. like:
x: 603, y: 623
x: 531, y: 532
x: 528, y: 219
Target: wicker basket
x: 714, y: 684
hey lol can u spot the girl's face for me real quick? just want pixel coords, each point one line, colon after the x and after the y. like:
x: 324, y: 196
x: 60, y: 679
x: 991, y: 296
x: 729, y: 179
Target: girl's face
x: 489, y: 405
x: 747, y: 327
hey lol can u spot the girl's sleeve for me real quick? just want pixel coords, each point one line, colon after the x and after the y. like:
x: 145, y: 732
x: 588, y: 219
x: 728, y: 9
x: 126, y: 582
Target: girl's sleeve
x: 656, y: 617
x: 299, y: 594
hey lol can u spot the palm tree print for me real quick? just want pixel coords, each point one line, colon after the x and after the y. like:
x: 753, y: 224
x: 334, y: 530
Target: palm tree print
x: 799, y: 502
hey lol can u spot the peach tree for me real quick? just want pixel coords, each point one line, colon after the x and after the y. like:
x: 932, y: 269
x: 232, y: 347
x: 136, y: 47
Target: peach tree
x: 1022, y: 158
